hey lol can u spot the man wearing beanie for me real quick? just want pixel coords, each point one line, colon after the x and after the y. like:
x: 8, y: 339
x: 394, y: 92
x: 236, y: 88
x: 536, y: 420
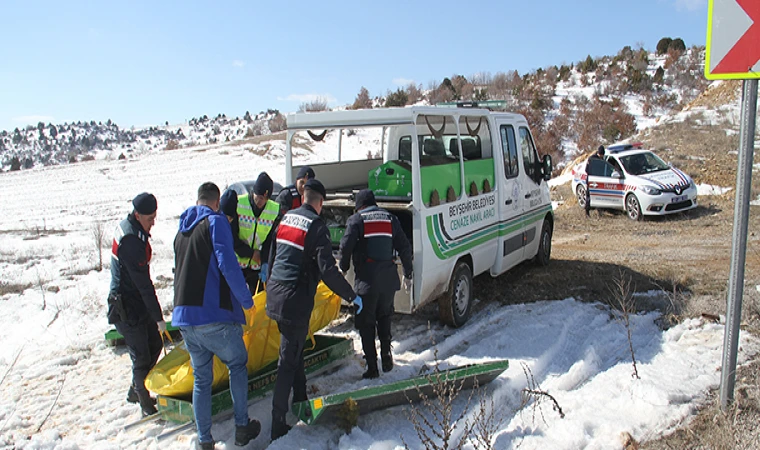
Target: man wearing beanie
x: 301, y: 256
x: 257, y: 216
x: 371, y: 237
x: 291, y: 197
x: 132, y: 303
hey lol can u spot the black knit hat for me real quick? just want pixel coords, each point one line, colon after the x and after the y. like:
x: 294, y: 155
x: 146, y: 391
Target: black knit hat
x: 600, y: 150
x: 263, y: 185
x: 307, y: 172
x: 365, y: 198
x: 228, y: 203
x: 145, y: 203
x: 315, y: 185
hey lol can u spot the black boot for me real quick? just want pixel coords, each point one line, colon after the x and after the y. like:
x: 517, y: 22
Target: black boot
x: 132, y: 395
x: 279, y: 428
x: 370, y: 352
x: 386, y: 355
x: 147, y: 403
x: 244, y: 434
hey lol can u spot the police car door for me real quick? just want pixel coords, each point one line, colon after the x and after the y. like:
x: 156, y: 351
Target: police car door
x: 605, y: 184
x: 510, y: 249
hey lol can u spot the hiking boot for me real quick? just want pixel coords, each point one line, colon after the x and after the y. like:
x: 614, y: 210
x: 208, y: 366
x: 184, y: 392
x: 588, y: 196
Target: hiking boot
x: 371, y: 371
x: 206, y: 445
x: 279, y: 429
x: 132, y: 395
x: 386, y: 356
x: 244, y: 434
x: 147, y: 403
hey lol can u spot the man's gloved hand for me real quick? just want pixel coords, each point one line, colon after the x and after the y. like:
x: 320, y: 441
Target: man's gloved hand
x: 263, y: 272
x: 407, y: 284
x: 359, y: 304
x: 161, y: 327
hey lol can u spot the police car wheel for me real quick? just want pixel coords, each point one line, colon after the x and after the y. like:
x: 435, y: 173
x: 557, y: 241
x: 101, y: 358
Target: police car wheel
x: 632, y: 207
x: 544, y: 245
x: 454, y: 307
x: 580, y: 193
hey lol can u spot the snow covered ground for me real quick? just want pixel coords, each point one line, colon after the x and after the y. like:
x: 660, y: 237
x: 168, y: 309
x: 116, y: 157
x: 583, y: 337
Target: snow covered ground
x: 64, y: 388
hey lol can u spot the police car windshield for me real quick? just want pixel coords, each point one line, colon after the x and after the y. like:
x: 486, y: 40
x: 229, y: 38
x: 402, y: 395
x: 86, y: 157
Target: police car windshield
x: 642, y: 163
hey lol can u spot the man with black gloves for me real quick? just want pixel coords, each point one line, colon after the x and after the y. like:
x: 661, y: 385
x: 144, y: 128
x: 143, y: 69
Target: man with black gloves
x: 291, y: 197
x: 209, y: 296
x: 301, y: 256
x: 371, y: 236
x: 598, y: 155
x: 132, y: 303
x: 257, y: 216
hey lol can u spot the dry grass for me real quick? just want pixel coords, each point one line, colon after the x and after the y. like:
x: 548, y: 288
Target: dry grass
x: 13, y: 288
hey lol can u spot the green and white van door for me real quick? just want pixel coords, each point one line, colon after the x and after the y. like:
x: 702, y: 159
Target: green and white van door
x: 511, y: 203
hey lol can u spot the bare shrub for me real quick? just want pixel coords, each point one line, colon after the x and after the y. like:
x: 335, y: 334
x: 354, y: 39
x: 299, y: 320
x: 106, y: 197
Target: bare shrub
x: 278, y: 123
x: 13, y: 288
x: 413, y: 93
x: 534, y: 393
x: 434, y: 419
x: 100, y: 241
x: 486, y: 423
x: 316, y: 105
x: 624, y: 302
x: 172, y: 144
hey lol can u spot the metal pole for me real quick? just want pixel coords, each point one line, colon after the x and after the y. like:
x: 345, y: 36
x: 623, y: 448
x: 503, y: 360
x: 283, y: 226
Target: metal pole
x: 739, y: 243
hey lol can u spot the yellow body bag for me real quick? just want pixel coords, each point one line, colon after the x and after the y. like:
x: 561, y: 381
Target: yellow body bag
x: 172, y: 376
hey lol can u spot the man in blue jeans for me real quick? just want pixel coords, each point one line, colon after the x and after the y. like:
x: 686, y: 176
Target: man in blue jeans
x: 209, y: 295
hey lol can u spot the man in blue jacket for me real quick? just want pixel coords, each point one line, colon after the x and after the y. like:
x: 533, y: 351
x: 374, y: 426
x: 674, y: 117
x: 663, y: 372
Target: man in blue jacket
x: 209, y: 296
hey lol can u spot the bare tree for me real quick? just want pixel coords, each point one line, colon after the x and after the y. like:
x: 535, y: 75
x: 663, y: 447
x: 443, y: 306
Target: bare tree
x: 99, y: 239
x: 626, y: 304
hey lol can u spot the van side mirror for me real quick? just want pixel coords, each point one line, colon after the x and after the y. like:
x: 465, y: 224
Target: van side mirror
x: 546, y: 167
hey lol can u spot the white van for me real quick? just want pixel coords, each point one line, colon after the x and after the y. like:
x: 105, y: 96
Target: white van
x: 467, y: 185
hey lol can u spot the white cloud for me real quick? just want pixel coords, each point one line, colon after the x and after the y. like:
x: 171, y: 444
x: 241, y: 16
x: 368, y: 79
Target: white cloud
x: 238, y: 63
x: 402, y: 81
x: 690, y: 5
x: 301, y: 98
x: 33, y: 119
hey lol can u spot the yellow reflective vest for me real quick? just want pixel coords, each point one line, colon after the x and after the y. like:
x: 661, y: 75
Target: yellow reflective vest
x: 254, y: 230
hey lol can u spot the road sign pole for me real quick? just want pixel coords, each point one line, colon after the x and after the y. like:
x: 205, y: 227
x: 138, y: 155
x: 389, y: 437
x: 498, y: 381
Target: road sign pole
x: 739, y: 243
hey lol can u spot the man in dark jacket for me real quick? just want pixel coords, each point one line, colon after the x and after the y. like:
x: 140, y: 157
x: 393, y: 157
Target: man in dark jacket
x: 598, y: 155
x: 372, y: 235
x: 209, y: 296
x: 301, y: 256
x: 132, y: 303
x: 291, y: 197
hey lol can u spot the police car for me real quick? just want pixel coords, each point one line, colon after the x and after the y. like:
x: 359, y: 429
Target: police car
x: 634, y: 180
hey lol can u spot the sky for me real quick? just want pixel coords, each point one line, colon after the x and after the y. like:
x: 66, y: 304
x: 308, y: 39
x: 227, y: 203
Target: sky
x: 64, y: 388
x: 144, y: 63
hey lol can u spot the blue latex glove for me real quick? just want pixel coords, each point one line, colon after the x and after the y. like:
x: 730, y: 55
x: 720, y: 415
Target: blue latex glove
x: 359, y: 304
x: 263, y: 272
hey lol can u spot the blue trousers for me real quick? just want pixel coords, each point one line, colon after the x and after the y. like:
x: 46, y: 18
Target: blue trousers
x: 225, y: 340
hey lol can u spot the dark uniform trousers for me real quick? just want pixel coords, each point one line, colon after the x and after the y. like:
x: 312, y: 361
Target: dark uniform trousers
x: 144, y: 344
x: 376, y: 315
x: 290, y: 369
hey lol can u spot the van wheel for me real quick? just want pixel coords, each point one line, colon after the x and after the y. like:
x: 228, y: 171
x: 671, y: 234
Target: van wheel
x: 455, y: 306
x: 580, y: 193
x: 544, y: 245
x: 632, y: 207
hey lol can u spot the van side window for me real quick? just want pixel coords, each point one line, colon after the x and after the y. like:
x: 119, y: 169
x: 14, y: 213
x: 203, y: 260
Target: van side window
x: 509, y: 148
x: 440, y: 170
x: 528, y: 152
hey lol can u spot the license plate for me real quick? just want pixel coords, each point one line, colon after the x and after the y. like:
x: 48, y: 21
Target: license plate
x: 678, y: 199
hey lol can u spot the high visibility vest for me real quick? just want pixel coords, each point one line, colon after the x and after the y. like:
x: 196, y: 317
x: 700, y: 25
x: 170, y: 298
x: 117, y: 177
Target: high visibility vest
x: 254, y: 230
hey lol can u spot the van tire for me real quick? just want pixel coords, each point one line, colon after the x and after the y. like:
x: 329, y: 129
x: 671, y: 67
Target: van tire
x: 455, y: 306
x: 544, y: 245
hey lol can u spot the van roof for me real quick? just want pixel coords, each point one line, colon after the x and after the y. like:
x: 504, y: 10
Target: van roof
x: 377, y: 117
